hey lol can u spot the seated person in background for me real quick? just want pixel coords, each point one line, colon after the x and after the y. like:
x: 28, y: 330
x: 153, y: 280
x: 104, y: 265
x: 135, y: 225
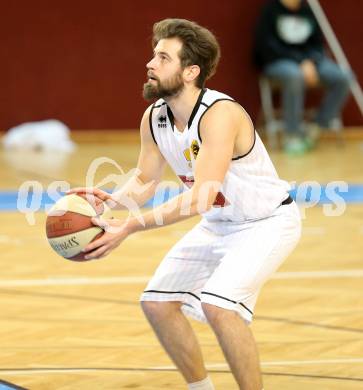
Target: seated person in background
x: 289, y: 49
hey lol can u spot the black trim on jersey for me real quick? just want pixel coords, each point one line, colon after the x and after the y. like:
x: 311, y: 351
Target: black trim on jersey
x: 172, y: 292
x: 192, y: 115
x: 288, y: 200
x: 151, y: 122
x: 254, y: 130
x: 160, y: 105
x: 208, y: 107
x: 244, y: 155
x: 229, y: 300
x: 196, y: 107
x: 204, y: 104
x: 170, y: 116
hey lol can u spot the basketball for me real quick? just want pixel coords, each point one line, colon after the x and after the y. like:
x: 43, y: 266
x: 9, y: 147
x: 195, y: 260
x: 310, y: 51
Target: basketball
x: 69, y: 227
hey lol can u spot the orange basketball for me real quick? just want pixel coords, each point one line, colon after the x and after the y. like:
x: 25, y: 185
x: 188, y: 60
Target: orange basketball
x: 69, y: 227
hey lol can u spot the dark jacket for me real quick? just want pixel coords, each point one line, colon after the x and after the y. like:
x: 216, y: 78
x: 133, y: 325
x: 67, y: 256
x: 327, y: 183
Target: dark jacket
x: 282, y: 33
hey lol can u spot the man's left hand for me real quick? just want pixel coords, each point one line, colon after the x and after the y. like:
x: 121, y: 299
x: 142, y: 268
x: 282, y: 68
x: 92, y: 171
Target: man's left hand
x: 115, y: 232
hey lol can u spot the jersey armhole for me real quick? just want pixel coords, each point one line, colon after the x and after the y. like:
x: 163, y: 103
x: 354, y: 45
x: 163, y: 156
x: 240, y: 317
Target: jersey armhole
x: 250, y: 150
x: 254, y: 130
x: 208, y: 107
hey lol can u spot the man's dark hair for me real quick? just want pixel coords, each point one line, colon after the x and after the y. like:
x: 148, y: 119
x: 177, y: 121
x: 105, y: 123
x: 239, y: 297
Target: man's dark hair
x: 200, y: 46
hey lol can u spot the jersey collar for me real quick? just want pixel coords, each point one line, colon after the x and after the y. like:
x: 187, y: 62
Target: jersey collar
x: 192, y: 115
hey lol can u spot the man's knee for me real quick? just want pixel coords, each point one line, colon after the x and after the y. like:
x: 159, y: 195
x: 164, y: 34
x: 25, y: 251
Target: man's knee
x: 345, y: 78
x: 340, y: 77
x: 159, y: 309
x: 292, y: 82
x: 215, y: 313
x: 289, y: 75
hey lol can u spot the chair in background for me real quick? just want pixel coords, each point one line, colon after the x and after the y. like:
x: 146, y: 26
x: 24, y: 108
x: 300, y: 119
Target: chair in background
x: 274, y: 124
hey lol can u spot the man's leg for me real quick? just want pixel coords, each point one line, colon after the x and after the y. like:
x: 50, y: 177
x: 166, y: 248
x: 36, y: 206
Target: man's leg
x: 289, y: 75
x: 238, y: 345
x: 177, y: 337
x: 336, y: 82
x: 291, y: 80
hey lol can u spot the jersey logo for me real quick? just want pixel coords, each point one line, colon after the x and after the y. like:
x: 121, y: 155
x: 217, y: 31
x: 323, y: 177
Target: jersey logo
x: 220, y: 201
x: 187, y: 157
x: 194, y: 147
x: 187, y: 154
x: 162, y: 121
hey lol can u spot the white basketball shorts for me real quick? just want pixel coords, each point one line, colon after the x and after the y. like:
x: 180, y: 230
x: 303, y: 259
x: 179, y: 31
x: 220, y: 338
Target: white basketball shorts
x: 225, y: 263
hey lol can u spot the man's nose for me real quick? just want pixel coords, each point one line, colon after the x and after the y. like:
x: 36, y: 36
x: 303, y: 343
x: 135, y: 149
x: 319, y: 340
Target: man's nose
x: 151, y: 64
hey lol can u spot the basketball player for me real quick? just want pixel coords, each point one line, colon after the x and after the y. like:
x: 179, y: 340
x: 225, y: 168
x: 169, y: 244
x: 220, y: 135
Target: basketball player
x: 249, y: 223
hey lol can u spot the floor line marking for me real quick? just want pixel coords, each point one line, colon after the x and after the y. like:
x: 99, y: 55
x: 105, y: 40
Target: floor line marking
x: 352, y: 273
x: 12, y: 371
x: 74, y: 281
x: 282, y: 363
x: 54, y: 281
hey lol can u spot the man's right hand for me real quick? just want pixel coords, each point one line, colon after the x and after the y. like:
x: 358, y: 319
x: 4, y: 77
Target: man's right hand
x: 310, y: 73
x: 103, y: 195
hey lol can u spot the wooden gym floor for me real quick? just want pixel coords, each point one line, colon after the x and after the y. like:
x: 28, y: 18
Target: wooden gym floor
x: 68, y: 325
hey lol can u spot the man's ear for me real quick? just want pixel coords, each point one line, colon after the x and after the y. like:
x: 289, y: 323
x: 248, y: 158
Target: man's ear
x: 191, y: 72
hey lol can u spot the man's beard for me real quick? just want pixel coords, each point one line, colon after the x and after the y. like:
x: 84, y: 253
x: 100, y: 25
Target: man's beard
x: 168, y: 88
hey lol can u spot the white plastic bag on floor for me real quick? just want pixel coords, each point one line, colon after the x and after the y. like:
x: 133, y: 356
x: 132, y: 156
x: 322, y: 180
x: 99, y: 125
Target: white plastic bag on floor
x: 47, y: 135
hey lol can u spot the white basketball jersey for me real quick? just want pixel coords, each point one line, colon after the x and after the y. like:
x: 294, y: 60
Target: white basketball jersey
x: 251, y: 188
